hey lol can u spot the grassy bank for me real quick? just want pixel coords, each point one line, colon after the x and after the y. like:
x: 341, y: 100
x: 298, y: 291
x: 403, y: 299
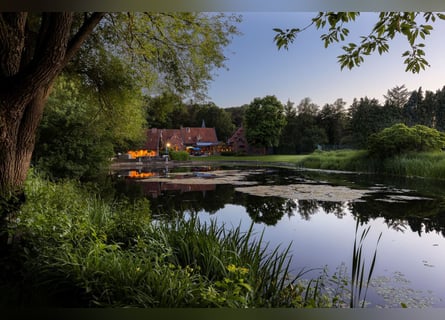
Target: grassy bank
x: 420, y: 164
x: 76, y: 250
x: 352, y: 160
x: 425, y: 164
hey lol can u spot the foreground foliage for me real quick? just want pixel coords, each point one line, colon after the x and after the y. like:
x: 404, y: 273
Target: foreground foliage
x: 77, y: 250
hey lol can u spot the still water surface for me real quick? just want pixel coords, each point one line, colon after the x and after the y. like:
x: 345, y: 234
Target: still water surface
x: 409, y: 213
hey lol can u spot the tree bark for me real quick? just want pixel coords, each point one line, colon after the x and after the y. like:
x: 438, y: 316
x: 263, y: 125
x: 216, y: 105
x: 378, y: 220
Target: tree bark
x: 17, y: 140
x: 29, y: 65
x: 24, y: 91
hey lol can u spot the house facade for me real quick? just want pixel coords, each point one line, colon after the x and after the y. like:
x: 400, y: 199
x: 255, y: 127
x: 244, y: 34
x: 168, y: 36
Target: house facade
x: 185, y: 138
x: 238, y: 144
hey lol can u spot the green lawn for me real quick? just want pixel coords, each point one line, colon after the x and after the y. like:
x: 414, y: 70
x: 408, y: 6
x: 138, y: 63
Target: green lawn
x: 420, y: 164
x: 266, y: 158
x: 339, y: 160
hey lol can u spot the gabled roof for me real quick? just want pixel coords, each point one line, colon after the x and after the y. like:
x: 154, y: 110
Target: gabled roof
x: 237, y: 136
x: 152, y: 141
x: 195, y: 135
x: 180, y: 137
x: 157, y: 136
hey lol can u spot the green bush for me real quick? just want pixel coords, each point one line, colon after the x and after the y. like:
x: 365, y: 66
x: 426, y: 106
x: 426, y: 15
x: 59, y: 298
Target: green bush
x: 400, y: 139
x: 179, y: 155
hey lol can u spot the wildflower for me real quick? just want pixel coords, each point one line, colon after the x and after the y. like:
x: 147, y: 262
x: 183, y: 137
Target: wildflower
x: 231, y: 268
x: 243, y: 270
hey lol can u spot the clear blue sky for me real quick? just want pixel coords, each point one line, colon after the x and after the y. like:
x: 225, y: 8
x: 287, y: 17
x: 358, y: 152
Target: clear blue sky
x: 257, y: 68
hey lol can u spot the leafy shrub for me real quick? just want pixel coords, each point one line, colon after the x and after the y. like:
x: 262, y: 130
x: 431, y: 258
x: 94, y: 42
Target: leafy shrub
x: 399, y: 139
x: 429, y: 139
x: 179, y: 155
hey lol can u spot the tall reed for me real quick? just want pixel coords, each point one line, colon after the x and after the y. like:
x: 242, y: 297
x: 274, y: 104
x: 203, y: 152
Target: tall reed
x: 211, y: 247
x: 360, y: 284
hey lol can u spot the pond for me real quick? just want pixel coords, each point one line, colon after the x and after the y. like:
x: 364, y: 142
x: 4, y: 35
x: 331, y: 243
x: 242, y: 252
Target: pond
x: 317, y: 212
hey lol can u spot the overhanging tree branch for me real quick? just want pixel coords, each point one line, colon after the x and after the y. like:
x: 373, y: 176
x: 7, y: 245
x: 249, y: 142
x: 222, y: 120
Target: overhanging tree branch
x: 85, y: 30
x: 387, y: 26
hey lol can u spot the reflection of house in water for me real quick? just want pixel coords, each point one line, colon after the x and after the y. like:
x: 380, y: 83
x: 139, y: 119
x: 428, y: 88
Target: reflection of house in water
x: 155, y: 189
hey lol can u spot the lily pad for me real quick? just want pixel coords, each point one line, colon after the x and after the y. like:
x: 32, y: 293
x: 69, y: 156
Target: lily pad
x: 306, y: 192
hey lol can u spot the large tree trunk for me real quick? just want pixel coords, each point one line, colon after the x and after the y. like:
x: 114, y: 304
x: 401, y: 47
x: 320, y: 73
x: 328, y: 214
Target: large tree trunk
x: 30, y: 61
x: 29, y: 64
x: 17, y: 139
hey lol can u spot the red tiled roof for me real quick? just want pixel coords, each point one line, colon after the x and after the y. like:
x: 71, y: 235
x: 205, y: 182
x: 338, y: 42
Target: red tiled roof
x: 152, y: 141
x: 194, y: 135
x: 237, y: 136
x: 179, y: 137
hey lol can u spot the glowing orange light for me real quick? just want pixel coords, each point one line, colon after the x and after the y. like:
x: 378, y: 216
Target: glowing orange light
x: 141, y: 153
x: 133, y: 174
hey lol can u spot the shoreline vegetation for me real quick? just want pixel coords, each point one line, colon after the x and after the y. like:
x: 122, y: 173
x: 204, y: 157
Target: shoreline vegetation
x: 412, y: 164
x: 72, y: 248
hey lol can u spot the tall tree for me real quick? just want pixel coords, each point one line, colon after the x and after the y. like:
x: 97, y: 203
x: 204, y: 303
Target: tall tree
x: 79, y: 134
x: 34, y: 50
x: 177, y: 50
x: 288, y: 141
x: 426, y: 110
x: 215, y: 117
x: 264, y: 121
x: 165, y: 110
x: 332, y: 118
x: 237, y: 114
x: 440, y: 109
x: 307, y: 107
x: 308, y: 133
x: 303, y: 131
x: 410, y: 109
x: 289, y: 109
x: 397, y: 96
x: 366, y: 117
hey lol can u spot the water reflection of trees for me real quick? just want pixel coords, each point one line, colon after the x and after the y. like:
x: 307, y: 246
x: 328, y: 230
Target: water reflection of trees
x: 268, y: 210
x: 418, y: 215
x: 193, y: 202
x: 336, y: 208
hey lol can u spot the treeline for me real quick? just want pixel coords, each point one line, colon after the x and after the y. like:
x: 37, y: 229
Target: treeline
x: 80, y: 134
x: 295, y: 129
x: 335, y: 125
